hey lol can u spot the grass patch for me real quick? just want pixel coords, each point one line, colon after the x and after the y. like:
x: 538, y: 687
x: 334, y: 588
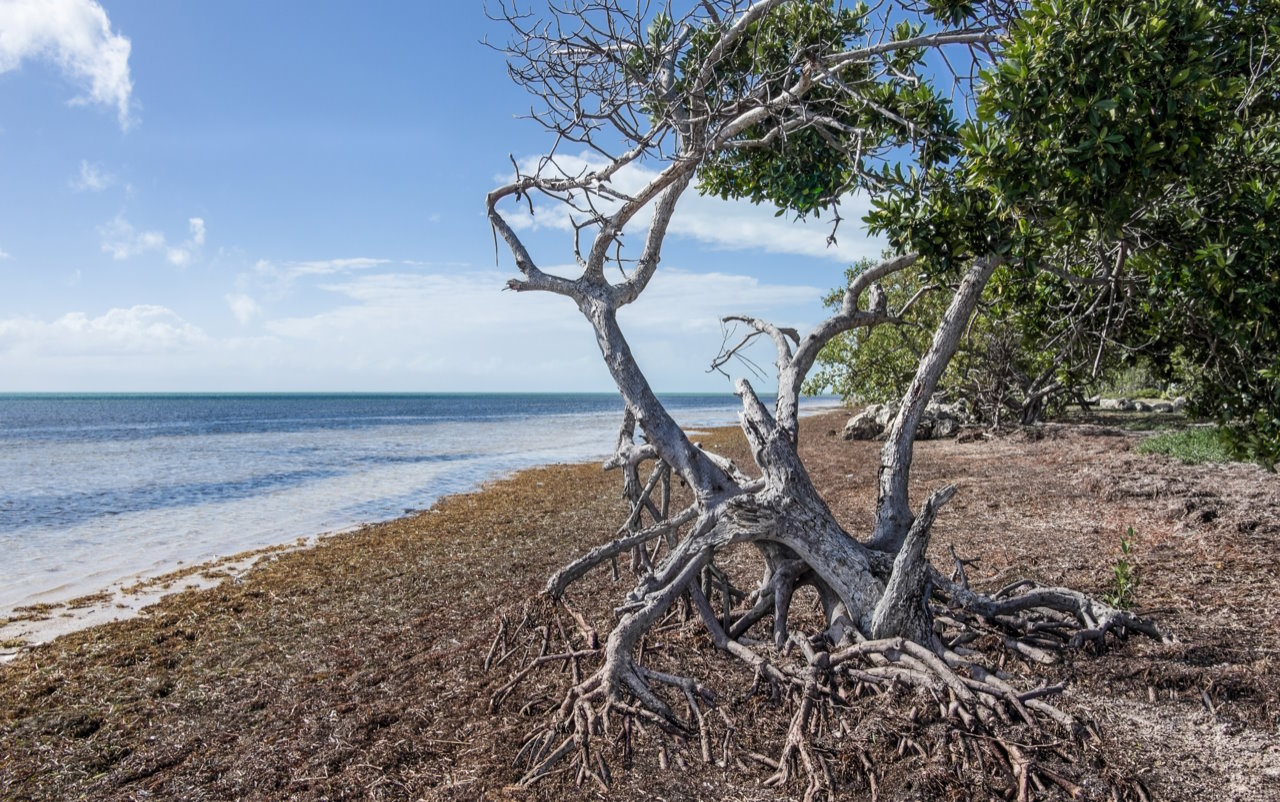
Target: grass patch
x: 1191, y: 446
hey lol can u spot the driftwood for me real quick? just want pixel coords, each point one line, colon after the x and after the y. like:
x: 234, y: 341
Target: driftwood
x: 892, y: 621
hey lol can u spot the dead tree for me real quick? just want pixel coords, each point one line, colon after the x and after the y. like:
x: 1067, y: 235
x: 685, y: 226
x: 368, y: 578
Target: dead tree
x: 674, y: 93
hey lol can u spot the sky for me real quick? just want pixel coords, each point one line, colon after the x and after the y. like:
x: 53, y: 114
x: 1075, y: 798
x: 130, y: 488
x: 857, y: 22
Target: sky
x: 289, y: 197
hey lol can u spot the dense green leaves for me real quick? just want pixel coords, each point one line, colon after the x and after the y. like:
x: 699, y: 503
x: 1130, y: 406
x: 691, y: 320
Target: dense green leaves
x: 1096, y: 107
x: 1126, y: 155
x: 1123, y: 156
x: 803, y: 160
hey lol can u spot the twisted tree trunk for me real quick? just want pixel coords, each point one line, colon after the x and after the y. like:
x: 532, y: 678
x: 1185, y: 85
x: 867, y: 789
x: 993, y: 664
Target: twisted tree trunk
x: 893, y: 510
x: 881, y: 626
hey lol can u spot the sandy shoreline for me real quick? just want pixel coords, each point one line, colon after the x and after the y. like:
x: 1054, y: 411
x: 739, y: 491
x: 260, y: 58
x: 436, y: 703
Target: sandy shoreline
x: 354, y: 668
x: 45, y: 616
x: 30, y: 625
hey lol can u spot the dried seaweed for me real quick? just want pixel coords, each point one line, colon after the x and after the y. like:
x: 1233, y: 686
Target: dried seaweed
x: 356, y: 669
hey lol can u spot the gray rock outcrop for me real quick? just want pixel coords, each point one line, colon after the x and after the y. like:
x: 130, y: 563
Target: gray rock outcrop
x: 939, y: 421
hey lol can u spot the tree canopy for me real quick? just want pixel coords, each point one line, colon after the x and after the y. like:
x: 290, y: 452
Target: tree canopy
x: 1093, y: 158
x: 1124, y: 157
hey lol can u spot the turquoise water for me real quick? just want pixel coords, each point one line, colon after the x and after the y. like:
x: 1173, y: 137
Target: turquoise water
x: 97, y: 488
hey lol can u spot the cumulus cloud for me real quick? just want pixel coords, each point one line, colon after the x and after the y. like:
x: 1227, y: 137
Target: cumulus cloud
x: 4, y: 254
x: 92, y: 178
x: 76, y: 36
x: 243, y: 307
x: 678, y: 300
x: 460, y: 331
x: 180, y: 256
x: 138, y: 329
x: 738, y: 225
x: 123, y: 241
x: 377, y: 325
x: 318, y: 267
x: 139, y: 348
x: 730, y: 225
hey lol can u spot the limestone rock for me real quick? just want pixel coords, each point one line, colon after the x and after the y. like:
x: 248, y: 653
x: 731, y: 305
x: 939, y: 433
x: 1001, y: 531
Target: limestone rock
x: 940, y: 420
x: 1117, y: 404
x: 866, y: 424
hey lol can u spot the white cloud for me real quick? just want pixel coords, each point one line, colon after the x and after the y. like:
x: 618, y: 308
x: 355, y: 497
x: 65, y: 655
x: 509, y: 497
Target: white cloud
x: 678, y: 300
x: 730, y: 225
x: 738, y: 225
x: 137, y: 329
x: 4, y: 254
x: 76, y: 36
x: 139, y: 348
x: 278, y: 277
x: 382, y: 326
x: 92, y: 178
x: 321, y: 267
x: 458, y: 330
x: 181, y: 256
x: 243, y: 307
x: 123, y: 241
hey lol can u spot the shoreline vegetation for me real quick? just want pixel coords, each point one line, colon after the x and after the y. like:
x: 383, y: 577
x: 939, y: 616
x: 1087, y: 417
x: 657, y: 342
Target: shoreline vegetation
x: 102, y: 495
x: 354, y: 667
x: 28, y: 626
x: 50, y: 613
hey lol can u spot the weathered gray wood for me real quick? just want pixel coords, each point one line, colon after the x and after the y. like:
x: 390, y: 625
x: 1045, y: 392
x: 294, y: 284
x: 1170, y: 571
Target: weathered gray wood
x: 672, y: 123
x: 903, y: 610
x: 780, y: 511
x: 893, y: 510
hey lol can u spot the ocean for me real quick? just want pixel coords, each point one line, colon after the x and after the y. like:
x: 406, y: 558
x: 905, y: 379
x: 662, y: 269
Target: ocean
x: 95, y: 489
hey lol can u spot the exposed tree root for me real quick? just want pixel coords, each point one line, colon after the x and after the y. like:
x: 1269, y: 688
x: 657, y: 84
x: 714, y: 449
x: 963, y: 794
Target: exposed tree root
x: 911, y: 668
x: 894, y: 630
x: 966, y: 719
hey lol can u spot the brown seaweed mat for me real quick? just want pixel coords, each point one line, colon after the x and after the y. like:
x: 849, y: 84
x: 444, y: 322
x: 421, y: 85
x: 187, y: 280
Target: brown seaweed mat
x: 354, y: 669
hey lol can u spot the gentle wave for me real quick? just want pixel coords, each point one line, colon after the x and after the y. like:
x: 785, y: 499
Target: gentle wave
x: 94, y: 489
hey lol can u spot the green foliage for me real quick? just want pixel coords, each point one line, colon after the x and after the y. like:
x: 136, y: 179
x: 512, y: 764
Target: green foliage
x: 995, y: 369
x: 799, y: 168
x: 876, y: 366
x: 1214, y: 308
x: 1095, y: 107
x: 1191, y: 446
x: 1146, y: 128
x: 1124, y: 572
x: 1137, y: 380
x: 1124, y: 158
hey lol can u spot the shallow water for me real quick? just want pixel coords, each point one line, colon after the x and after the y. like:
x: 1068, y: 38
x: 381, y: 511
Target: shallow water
x: 97, y: 488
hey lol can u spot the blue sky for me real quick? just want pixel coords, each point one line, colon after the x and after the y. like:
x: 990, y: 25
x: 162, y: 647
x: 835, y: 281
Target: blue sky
x: 288, y: 196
